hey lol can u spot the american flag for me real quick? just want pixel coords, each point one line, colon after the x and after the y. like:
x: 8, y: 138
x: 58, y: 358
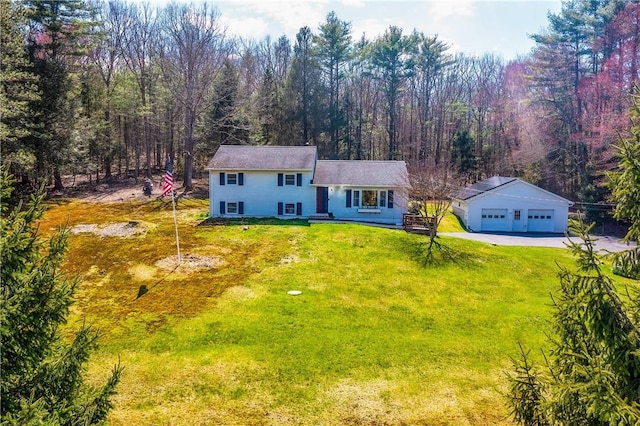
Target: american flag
x: 167, y: 187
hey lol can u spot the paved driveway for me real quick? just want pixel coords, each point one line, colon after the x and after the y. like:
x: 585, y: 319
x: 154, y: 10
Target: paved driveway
x: 611, y: 244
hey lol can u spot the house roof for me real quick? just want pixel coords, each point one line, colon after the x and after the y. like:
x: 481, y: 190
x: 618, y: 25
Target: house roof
x: 246, y: 157
x: 361, y: 173
x: 483, y: 186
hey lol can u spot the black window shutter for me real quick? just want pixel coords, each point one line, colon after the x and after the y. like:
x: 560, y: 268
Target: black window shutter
x: 299, y: 179
x: 299, y: 209
x: 240, y: 178
x: 222, y: 182
x: 222, y: 209
x: 280, y: 209
x: 280, y: 179
x: 241, y: 207
x: 348, y: 198
x: 390, y: 201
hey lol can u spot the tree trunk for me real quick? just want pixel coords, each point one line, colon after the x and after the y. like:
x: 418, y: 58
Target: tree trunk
x: 190, y: 119
x: 57, y: 179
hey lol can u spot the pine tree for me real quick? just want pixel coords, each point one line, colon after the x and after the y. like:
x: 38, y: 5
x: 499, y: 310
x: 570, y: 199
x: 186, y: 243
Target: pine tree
x: 625, y: 185
x: 333, y: 50
x: 462, y: 157
x: 593, y: 369
x: 393, y: 57
x: 42, y: 375
x: 59, y: 33
x: 18, y: 91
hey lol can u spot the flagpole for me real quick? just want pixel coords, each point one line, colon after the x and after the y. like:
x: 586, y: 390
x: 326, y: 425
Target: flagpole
x: 175, y: 223
x: 166, y: 188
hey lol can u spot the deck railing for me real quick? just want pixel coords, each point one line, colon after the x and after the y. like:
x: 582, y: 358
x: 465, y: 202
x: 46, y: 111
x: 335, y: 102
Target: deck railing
x: 418, y: 223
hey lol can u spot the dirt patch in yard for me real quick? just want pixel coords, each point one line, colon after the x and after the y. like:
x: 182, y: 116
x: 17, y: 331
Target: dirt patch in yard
x: 190, y: 263
x: 117, y: 190
x: 120, y: 229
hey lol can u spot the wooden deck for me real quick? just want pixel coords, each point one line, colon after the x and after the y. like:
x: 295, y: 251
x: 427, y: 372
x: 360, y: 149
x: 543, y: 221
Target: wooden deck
x: 418, y: 224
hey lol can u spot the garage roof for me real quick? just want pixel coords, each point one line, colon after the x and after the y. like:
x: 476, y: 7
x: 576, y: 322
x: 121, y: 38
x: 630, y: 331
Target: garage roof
x: 483, y: 186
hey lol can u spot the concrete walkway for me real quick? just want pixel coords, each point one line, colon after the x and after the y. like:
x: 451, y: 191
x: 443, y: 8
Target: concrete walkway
x: 608, y: 243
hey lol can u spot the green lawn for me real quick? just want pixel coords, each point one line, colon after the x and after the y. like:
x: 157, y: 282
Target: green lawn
x: 376, y: 337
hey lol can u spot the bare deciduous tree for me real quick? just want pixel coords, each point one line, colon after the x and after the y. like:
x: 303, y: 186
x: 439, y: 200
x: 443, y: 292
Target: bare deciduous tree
x: 432, y: 188
x: 137, y: 53
x: 191, y: 57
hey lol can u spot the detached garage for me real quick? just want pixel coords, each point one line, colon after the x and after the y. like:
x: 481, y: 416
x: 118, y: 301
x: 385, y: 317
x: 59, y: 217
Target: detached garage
x: 507, y: 204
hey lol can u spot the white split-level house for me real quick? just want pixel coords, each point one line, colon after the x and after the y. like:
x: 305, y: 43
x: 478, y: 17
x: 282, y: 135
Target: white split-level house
x: 508, y: 204
x: 290, y: 182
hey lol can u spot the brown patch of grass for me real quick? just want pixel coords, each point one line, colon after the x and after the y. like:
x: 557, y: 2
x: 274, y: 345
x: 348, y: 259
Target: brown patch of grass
x: 188, y: 263
x: 113, y: 269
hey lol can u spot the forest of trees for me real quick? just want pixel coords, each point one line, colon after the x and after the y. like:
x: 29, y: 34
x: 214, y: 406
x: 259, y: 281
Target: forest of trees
x: 110, y: 89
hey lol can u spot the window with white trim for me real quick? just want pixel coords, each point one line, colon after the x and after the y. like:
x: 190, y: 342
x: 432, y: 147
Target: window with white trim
x: 232, y: 178
x: 369, y: 199
x: 290, y: 209
x: 232, y: 207
x: 289, y: 180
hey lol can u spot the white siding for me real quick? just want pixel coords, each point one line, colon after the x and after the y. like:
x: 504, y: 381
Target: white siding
x: 461, y: 209
x: 338, y: 206
x: 522, y: 196
x: 261, y: 194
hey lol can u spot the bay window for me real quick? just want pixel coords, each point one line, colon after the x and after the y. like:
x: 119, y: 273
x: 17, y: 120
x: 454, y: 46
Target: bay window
x: 369, y: 199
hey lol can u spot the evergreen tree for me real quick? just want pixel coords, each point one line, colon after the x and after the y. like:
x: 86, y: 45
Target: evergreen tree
x: 266, y: 106
x: 625, y: 184
x: 42, y: 375
x: 303, y: 92
x: 60, y: 31
x: 593, y: 368
x: 462, y: 157
x: 393, y: 56
x: 18, y: 91
x: 334, y: 48
x: 222, y: 122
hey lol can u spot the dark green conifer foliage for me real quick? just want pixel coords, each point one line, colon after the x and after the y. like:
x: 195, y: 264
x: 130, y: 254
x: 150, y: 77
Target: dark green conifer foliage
x: 462, y: 156
x: 392, y: 56
x: 18, y: 91
x: 42, y: 375
x: 60, y: 33
x: 625, y: 186
x: 333, y: 48
x: 592, y: 376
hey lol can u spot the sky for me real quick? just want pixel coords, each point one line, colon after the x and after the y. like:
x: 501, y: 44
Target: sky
x: 473, y: 27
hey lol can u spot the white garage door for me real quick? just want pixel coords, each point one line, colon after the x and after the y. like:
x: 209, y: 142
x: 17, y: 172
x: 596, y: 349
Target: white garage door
x: 540, y: 221
x: 494, y: 220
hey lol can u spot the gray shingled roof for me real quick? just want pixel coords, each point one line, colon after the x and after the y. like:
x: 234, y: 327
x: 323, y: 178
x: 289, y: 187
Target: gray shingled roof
x: 362, y: 173
x: 246, y: 157
x: 483, y: 186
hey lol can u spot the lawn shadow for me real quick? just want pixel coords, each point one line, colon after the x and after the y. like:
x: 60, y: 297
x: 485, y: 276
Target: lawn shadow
x: 461, y: 223
x: 143, y: 289
x: 439, y: 255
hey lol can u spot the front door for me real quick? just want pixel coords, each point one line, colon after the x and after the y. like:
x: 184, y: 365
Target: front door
x: 322, y: 200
